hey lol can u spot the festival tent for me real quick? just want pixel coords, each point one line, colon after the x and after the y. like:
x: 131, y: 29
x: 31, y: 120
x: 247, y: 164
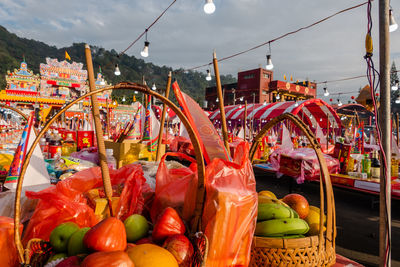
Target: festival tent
x: 312, y: 111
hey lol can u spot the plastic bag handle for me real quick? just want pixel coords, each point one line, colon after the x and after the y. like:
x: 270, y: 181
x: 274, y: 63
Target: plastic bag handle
x: 178, y: 154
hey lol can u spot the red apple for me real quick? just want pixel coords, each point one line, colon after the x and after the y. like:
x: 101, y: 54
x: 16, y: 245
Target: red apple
x: 298, y: 203
x: 145, y: 240
x: 72, y: 261
x: 169, y: 223
x: 181, y: 248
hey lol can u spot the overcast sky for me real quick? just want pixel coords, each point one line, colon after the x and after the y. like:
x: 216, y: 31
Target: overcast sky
x: 185, y: 36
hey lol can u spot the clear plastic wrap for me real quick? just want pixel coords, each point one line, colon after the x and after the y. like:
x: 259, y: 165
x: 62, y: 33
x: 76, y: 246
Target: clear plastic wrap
x: 301, y: 164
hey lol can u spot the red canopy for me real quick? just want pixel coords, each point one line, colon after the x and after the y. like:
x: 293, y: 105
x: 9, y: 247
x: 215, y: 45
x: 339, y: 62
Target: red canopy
x: 311, y: 111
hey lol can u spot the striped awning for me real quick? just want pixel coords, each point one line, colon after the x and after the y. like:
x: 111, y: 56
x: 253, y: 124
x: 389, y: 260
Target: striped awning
x: 311, y: 111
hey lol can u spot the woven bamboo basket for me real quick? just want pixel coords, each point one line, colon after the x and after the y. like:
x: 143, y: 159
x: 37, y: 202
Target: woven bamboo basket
x: 318, y: 250
x: 38, y: 251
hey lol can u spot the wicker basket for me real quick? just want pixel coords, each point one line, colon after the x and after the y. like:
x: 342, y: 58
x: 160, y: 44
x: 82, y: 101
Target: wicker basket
x: 38, y: 251
x: 318, y: 250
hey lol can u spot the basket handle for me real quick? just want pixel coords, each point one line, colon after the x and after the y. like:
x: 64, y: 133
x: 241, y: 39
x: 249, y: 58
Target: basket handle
x: 324, y: 175
x: 122, y: 86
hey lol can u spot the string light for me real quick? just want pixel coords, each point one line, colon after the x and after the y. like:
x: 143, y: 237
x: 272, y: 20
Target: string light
x: 123, y: 99
x: 282, y: 36
x: 326, y: 93
x: 392, y: 23
x: 208, y: 77
x: 148, y: 28
x: 398, y: 100
x: 395, y: 87
x: 278, y: 97
x: 296, y: 104
x: 217, y: 100
x: 269, y: 65
x: 154, y: 87
x: 117, y: 72
x: 339, y: 103
x: 145, y: 51
x: 209, y: 7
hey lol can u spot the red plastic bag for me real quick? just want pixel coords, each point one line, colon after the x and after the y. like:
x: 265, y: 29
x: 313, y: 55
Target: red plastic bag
x: 8, y: 250
x: 172, y: 187
x: 230, y: 210
x: 66, y: 201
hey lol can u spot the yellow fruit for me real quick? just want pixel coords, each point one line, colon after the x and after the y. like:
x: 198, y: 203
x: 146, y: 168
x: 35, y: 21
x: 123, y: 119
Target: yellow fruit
x: 313, y: 219
x: 266, y: 199
x: 267, y: 193
x: 149, y: 255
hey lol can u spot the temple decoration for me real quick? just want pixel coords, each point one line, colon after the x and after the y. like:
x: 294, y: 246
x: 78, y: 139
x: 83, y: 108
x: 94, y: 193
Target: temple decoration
x: 62, y: 79
x: 22, y: 81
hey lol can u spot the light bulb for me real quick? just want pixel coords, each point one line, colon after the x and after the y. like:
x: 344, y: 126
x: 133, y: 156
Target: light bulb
x: 395, y: 86
x: 398, y: 100
x: 326, y: 93
x: 265, y: 103
x: 145, y: 51
x: 392, y: 23
x: 123, y: 99
x: 278, y: 97
x: 339, y: 103
x: 154, y: 87
x: 209, y: 7
x: 208, y: 77
x: 217, y: 100
x: 296, y: 104
x: 102, y: 82
x: 241, y: 98
x: 117, y: 72
x: 269, y: 66
x: 136, y: 92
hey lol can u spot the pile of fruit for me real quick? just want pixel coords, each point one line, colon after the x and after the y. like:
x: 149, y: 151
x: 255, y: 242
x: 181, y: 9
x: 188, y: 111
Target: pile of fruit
x: 113, y: 243
x: 289, y: 217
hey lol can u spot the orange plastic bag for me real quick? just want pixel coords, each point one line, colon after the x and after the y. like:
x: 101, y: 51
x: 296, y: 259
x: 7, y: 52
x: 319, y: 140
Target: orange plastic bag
x: 230, y: 210
x: 8, y: 250
x: 172, y: 186
x: 66, y: 201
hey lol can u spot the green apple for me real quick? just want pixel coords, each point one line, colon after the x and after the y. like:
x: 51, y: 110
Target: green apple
x: 60, y: 235
x: 136, y: 227
x: 75, y: 243
x: 57, y: 256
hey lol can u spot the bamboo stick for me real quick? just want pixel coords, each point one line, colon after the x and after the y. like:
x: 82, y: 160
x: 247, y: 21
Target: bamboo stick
x: 245, y: 119
x: 221, y: 103
x: 99, y: 131
x: 162, y: 121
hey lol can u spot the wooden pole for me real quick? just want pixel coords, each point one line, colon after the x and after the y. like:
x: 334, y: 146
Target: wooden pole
x: 397, y: 128
x: 108, y: 118
x: 385, y: 184
x: 162, y: 121
x: 99, y: 130
x: 221, y: 103
x: 327, y: 134
x: 245, y: 119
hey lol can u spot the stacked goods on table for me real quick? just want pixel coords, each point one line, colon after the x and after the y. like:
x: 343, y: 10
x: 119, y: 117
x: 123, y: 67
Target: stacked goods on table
x: 290, y: 217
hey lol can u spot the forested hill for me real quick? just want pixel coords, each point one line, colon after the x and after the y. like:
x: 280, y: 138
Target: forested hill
x: 13, y: 48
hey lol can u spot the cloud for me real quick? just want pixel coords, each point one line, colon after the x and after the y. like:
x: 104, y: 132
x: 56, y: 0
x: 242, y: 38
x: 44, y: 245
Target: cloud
x: 186, y: 37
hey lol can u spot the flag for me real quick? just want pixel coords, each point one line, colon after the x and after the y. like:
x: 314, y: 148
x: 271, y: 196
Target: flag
x: 291, y: 77
x: 67, y: 56
x: 284, y: 77
x: 209, y: 139
x: 36, y: 174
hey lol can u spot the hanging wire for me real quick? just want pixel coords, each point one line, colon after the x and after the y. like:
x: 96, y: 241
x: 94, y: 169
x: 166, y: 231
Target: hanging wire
x: 148, y: 28
x: 282, y: 36
x: 373, y: 80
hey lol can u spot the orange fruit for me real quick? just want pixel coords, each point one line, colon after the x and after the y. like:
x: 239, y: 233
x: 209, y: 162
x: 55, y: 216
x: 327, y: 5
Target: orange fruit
x: 149, y: 255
